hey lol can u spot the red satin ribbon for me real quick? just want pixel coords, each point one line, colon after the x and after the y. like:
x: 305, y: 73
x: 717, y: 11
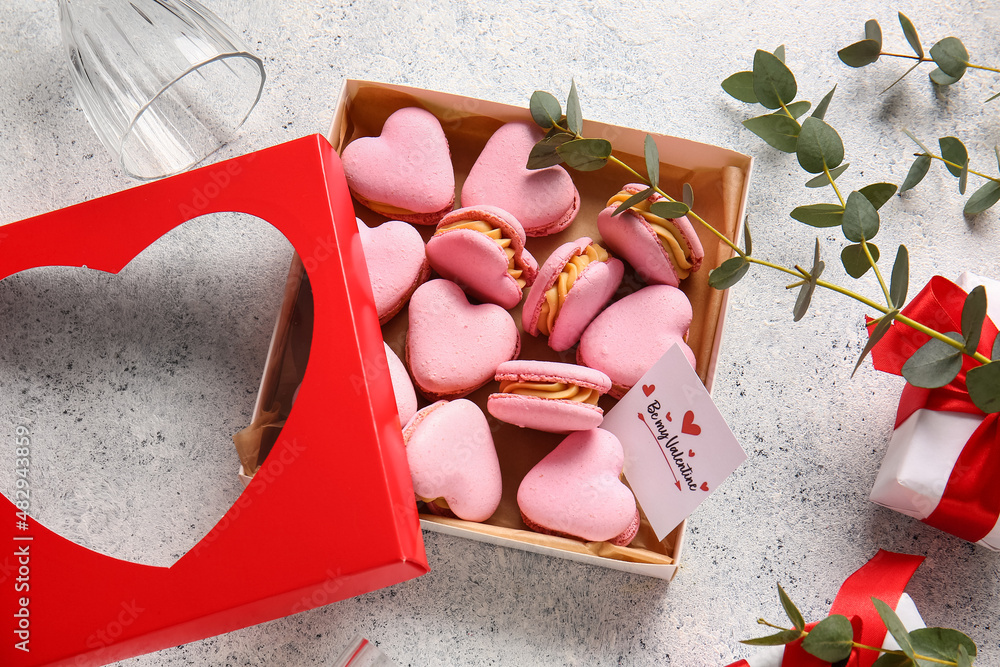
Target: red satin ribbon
x: 884, y: 577
x: 970, y: 504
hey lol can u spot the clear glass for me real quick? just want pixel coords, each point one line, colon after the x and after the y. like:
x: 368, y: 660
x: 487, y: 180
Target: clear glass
x: 164, y: 83
x: 362, y: 653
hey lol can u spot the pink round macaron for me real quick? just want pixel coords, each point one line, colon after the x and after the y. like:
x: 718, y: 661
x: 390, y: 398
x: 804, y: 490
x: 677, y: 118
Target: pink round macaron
x: 453, y: 347
x: 402, y: 388
x: 397, y: 264
x: 545, y: 201
x: 631, y: 335
x: 573, y: 285
x: 405, y: 173
x: 481, y: 248
x: 576, y: 491
x: 662, y: 251
x: 549, y: 396
x: 453, y: 462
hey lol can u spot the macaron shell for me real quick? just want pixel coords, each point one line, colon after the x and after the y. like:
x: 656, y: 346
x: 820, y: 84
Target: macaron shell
x: 407, y: 166
x: 545, y: 201
x: 576, y: 490
x: 452, y: 346
x: 531, y: 370
x: 451, y: 455
x: 402, y: 388
x: 397, y: 264
x: 593, y: 288
x: 477, y: 264
x: 544, y: 414
x: 631, y: 335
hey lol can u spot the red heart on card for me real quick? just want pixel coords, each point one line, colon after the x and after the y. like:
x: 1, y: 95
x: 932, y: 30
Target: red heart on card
x: 704, y: 486
x: 648, y: 389
x: 258, y: 530
x: 688, y: 426
x: 690, y: 452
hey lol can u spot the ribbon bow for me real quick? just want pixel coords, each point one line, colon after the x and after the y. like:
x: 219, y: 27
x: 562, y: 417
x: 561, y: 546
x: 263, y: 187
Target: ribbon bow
x: 970, y: 504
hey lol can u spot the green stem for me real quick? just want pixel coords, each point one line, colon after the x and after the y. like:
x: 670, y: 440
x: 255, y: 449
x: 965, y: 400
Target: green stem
x: 983, y: 67
x: 958, y: 166
x: 878, y: 274
x: 833, y: 185
x: 907, y: 55
x: 898, y: 652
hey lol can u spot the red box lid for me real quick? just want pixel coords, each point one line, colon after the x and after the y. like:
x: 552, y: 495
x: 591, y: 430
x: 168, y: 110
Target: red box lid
x: 70, y: 605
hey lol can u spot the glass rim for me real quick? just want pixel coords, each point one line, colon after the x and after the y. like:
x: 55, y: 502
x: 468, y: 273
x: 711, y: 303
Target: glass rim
x: 141, y: 110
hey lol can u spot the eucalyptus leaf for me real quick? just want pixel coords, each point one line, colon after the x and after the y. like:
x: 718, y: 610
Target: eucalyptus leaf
x: 545, y: 152
x: 996, y: 149
x: 687, y: 195
x: 831, y: 639
x: 669, y: 209
x: 860, y: 53
x: 914, y: 139
x: 585, y: 154
x: 902, y: 76
x: 951, y: 56
x: 894, y: 626
x: 992, y: 97
x: 963, y: 178
x: 819, y: 146
x: 793, y: 613
x: 574, y: 115
x: 740, y: 86
x: 778, y: 130
x: 728, y: 273
x: 878, y: 193
x: 893, y: 660
x: 773, y: 83
x: 935, y: 364
x: 777, y: 639
x: 963, y: 659
x: 973, y: 315
x: 995, y: 354
x: 652, y: 155
x: 861, y: 220
x: 807, y: 290
x: 821, y: 180
x: 873, y: 31
x: 911, y: 35
x: 954, y: 151
x: 899, y: 284
x: 824, y: 104
x: 633, y: 200
x: 855, y: 260
x: 779, y: 52
x: 748, y: 245
x: 983, y: 383
x: 916, y: 173
x: 876, y: 335
x: 942, y: 79
x: 940, y: 643
x: 545, y: 109
x: 819, y: 215
x: 797, y: 108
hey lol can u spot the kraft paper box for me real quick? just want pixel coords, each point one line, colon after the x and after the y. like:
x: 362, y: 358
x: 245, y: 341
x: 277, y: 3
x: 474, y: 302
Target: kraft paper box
x: 719, y: 178
x: 924, y: 449
x: 261, y: 561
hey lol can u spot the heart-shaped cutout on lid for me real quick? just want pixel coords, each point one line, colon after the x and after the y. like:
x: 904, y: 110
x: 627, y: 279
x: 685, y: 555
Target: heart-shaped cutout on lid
x: 453, y: 347
x: 544, y: 201
x: 405, y: 173
x: 131, y: 385
x: 242, y: 572
x: 575, y: 490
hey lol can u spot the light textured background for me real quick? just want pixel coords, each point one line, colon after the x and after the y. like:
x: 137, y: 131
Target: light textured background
x: 797, y: 512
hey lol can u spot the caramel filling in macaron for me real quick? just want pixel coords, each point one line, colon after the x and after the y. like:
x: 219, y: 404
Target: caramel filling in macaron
x: 494, y: 233
x: 670, y: 237
x: 555, y: 296
x: 555, y: 390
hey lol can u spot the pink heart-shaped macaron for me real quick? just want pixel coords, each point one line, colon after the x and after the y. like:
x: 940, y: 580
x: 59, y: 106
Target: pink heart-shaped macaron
x: 451, y: 455
x: 452, y: 346
x: 632, y: 334
x: 576, y: 490
x: 405, y: 172
x: 397, y: 264
x: 545, y: 201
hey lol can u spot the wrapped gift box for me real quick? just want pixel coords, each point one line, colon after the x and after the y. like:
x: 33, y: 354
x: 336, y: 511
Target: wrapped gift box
x: 285, y: 545
x: 719, y: 179
x: 926, y: 472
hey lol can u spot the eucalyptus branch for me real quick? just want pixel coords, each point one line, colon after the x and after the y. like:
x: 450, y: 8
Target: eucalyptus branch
x: 955, y: 157
x: 949, y: 54
x: 832, y: 639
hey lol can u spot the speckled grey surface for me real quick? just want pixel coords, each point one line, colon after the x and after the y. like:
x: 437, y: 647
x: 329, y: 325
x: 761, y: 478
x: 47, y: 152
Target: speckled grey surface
x: 797, y: 512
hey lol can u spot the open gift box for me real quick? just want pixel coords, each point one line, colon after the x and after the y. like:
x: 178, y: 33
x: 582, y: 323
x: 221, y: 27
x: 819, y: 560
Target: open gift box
x: 719, y: 179
x: 284, y: 545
